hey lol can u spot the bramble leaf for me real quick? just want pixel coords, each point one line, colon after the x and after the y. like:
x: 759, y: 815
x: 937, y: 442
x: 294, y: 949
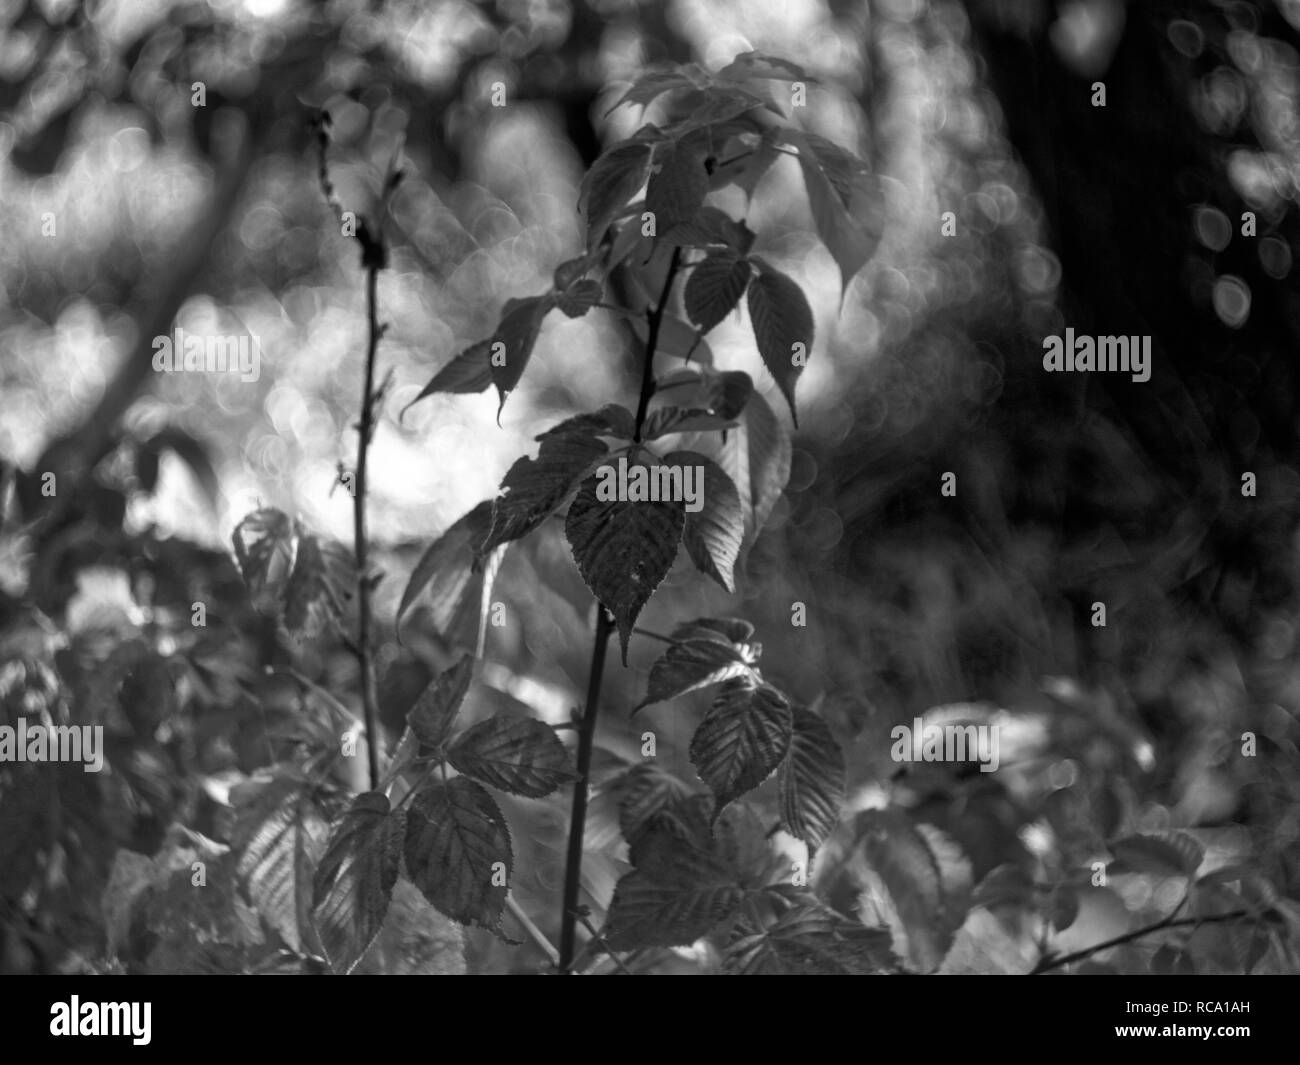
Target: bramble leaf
x: 741, y: 740
x: 811, y: 780
x: 458, y: 851
x: 354, y: 880
x: 521, y: 756
x: 783, y: 327
x: 623, y: 549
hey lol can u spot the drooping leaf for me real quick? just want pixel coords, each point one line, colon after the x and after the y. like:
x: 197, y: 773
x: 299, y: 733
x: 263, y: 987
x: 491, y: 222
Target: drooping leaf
x: 846, y: 202
x: 264, y: 548
x: 611, y: 182
x: 756, y: 456
x: 678, y: 184
x: 512, y: 344
x: 714, y: 533
x: 315, y: 594
x: 783, y: 327
x: 521, y: 756
x: 448, y: 566
x: 714, y: 288
x: 692, y: 665
x: 810, y: 939
x: 279, y: 837
x: 458, y: 851
x: 434, y: 712
x: 354, y: 880
x: 742, y: 739
x: 468, y: 372
x: 534, y: 489
x: 811, y: 780
x: 623, y: 550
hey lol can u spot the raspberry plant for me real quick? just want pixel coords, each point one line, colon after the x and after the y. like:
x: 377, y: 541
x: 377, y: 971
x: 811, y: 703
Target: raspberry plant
x: 700, y: 863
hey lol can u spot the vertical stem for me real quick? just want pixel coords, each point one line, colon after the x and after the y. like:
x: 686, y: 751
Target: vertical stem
x: 604, y: 627
x: 369, y: 691
x: 578, y: 817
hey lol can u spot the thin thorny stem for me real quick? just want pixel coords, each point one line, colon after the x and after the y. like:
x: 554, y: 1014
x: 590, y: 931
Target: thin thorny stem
x: 604, y: 628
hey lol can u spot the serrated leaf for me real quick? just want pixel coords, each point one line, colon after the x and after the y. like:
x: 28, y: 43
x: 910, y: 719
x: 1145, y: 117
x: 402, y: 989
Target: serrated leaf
x: 810, y: 939
x: 783, y: 327
x: 847, y: 209
x: 448, y: 565
x: 623, y: 550
x: 512, y: 344
x: 534, y: 489
x: 811, y: 780
x: 521, y: 756
x: 648, y: 913
x: 612, y: 181
x: 714, y: 533
x: 458, y: 851
x: 279, y: 837
x: 468, y: 372
x: 580, y: 297
x: 1161, y: 853
x: 742, y: 739
x: 646, y: 791
x: 354, y: 880
x: 756, y: 456
x: 678, y: 184
x: 685, y: 880
x: 714, y: 289
x: 434, y: 712
x: 692, y: 665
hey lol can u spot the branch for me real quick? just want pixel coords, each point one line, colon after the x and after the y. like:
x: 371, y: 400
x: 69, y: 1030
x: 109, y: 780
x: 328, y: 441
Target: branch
x: 1048, y: 963
x: 604, y: 627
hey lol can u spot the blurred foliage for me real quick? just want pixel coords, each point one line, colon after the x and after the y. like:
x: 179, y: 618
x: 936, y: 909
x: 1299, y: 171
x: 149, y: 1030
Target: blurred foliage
x: 1072, y: 491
